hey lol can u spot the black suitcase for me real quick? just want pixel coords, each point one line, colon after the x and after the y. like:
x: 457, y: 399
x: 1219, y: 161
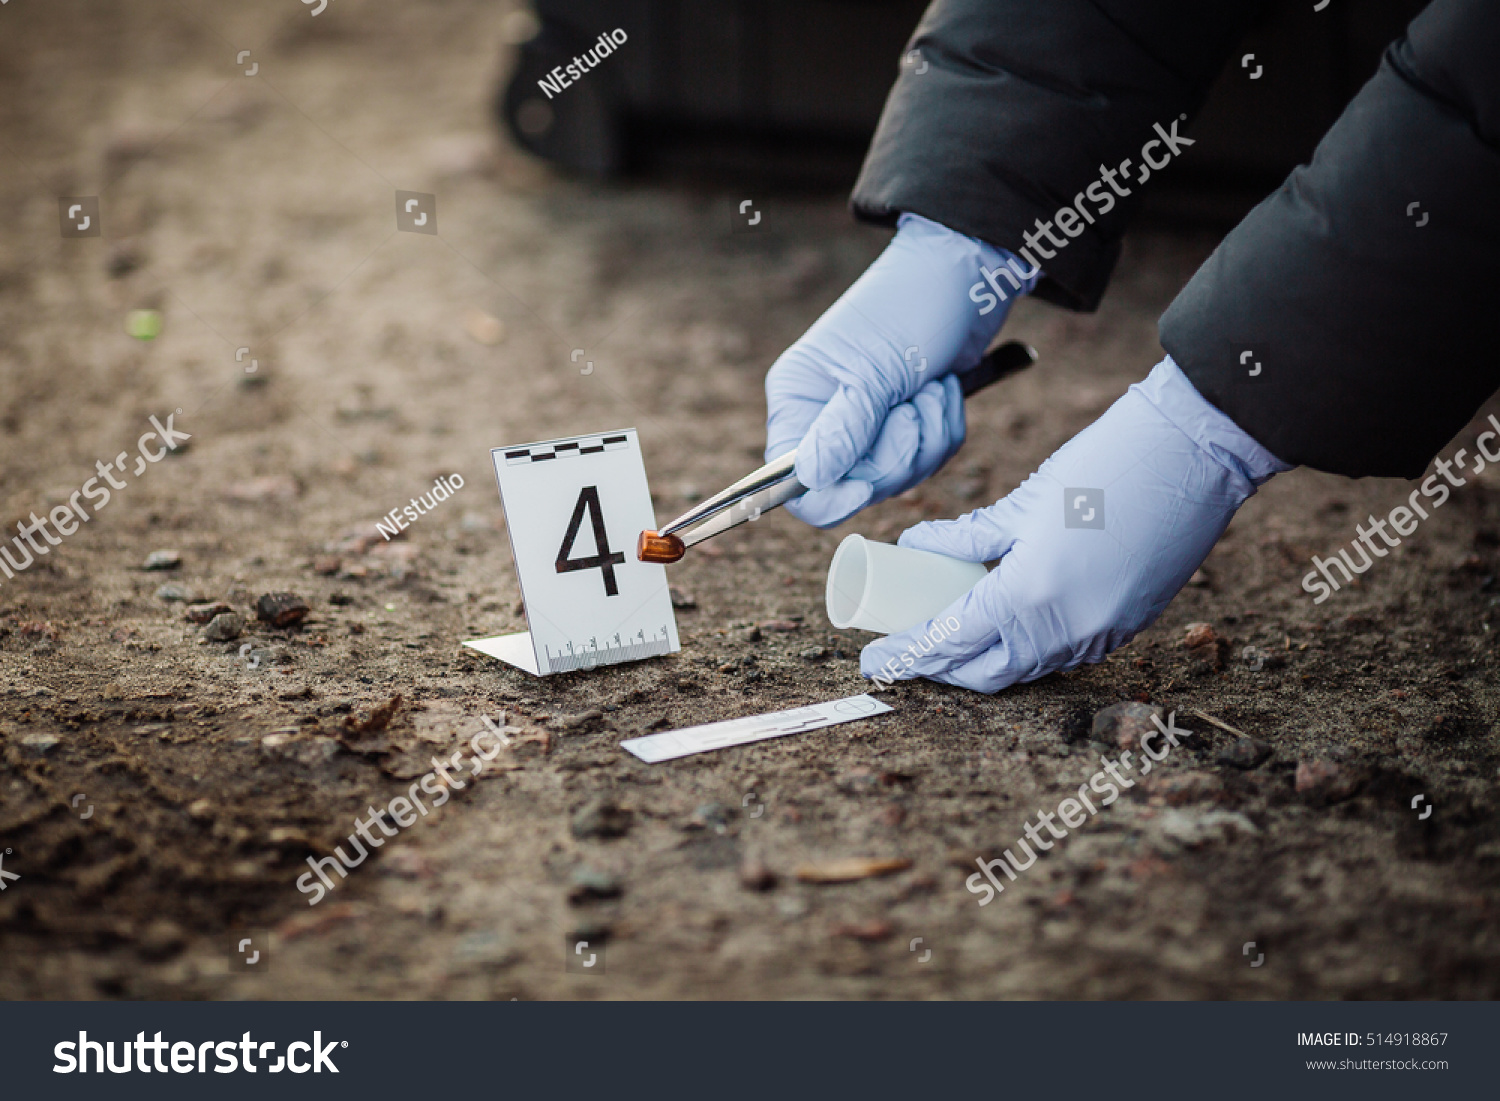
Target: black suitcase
x: 821, y: 69
x: 814, y: 68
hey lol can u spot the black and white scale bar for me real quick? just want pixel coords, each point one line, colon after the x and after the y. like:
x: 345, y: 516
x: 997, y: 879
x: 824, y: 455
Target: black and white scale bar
x: 608, y: 655
x: 584, y: 445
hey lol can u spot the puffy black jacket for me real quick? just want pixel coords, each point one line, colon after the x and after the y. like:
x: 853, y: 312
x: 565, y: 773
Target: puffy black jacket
x: 1337, y: 328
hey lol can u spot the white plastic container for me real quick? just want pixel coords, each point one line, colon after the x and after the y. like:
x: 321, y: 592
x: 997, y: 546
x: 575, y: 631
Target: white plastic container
x: 883, y: 588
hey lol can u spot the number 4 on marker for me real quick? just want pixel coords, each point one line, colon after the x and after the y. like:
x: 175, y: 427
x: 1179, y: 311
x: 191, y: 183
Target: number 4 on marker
x: 602, y: 558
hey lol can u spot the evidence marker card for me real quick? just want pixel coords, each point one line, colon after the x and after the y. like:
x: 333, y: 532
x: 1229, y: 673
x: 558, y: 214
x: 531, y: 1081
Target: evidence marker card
x: 671, y: 744
x: 573, y: 508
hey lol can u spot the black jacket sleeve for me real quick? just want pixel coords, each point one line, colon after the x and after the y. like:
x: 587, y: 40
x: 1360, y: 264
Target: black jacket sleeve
x: 1366, y: 287
x: 1013, y: 107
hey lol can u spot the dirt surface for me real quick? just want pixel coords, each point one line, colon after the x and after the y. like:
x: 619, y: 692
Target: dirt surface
x: 257, y: 212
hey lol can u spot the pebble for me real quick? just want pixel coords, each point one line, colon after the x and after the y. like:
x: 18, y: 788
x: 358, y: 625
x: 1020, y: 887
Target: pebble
x: 161, y: 939
x: 847, y: 871
x: 1199, y: 634
x: 593, y: 884
x: 814, y: 653
x: 708, y: 816
x: 484, y: 328
x: 601, y: 818
x: 1324, y: 780
x: 39, y: 745
x: 1244, y: 753
x: 327, y: 565
x: 162, y: 560
x: 275, y: 487
x: 791, y: 907
x: 281, y: 609
x: 870, y: 932
x: 484, y: 948
x: 755, y: 876
x: 1191, y: 829
x: 1123, y: 724
x: 585, y: 722
x: 176, y: 593
x: 204, y: 613
x: 224, y: 627
x: 681, y: 598
x: 1182, y: 786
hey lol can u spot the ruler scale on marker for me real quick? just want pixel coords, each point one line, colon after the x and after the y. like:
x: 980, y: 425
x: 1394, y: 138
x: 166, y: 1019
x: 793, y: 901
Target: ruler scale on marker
x: 671, y: 744
x: 590, y: 657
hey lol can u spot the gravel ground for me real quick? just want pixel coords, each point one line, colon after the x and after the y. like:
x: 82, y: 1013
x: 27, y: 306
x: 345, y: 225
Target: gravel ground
x: 160, y: 793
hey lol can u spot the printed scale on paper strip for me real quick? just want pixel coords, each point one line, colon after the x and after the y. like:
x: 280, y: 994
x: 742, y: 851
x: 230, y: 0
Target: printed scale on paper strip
x: 573, y: 508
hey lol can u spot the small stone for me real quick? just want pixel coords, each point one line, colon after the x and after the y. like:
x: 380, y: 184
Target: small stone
x: 1124, y: 724
x: 779, y: 625
x: 173, y: 593
x: 161, y: 939
x: 1191, y: 829
x: 791, y: 907
x: 814, y: 653
x: 681, y: 598
x: 275, y: 487
x: 340, y: 599
x: 281, y: 609
x: 870, y: 932
x: 1325, y: 781
x: 201, y: 809
x: 327, y: 565
x: 162, y: 560
x: 585, y: 722
x: 851, y: 869
x: 709, y: 816
x: 1244, y: 753
x: 755, y: 876
x: 224, y: 627
x: 601, y: 818
x: 485, y: 948
x: 204, y: 613
x: 1182, y: 786
x: 484, y: 328
x: 592, y: 885
x: 1199, y: 634
x: 1201, y: 579
x: 39, y: 745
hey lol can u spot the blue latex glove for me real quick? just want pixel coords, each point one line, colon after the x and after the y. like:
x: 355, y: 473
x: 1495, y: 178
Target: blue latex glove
x: 867, y: 395
x: 1167, y: 470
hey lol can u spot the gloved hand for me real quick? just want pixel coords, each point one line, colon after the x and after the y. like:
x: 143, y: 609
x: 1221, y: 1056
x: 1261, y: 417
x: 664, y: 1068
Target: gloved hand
x: 867, y: 396
x: 1092, y: 546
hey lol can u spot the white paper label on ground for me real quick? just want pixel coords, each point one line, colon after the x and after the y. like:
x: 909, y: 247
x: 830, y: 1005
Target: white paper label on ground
x: 670, y: 744
x: 574, y: 508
